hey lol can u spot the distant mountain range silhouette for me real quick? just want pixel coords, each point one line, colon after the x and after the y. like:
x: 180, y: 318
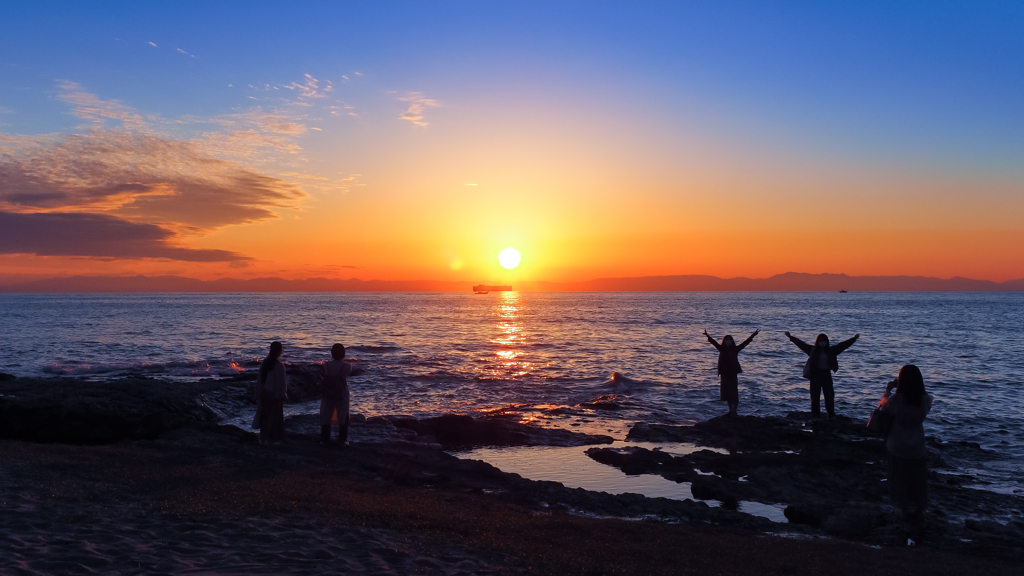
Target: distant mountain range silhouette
x: 788, y: 282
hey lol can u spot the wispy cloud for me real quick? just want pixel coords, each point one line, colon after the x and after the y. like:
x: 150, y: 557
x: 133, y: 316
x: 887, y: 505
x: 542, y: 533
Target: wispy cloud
x: 88, y: 106
x: 127, y: 178
x: 418, y: 103
x: 308, y: 89
x: 341, y: 183
x: 153, y: 45
x: 269, y: 122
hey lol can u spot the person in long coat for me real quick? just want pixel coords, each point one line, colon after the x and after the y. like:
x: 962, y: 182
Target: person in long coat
x: 271, y: 392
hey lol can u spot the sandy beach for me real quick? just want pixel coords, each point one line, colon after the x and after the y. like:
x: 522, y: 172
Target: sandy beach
x: 207, y: 499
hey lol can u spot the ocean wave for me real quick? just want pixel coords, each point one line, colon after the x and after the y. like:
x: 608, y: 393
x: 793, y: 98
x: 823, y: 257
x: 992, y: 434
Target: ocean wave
x: 375, y: 349
x: 198, y: 369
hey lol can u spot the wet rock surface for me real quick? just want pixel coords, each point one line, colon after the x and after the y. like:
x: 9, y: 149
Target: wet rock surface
x: 457, y: 431
x: 830, y: 474
x: 449, y: 431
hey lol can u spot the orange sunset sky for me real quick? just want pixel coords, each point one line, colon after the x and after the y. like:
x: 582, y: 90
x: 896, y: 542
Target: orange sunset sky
x: 622, y: 140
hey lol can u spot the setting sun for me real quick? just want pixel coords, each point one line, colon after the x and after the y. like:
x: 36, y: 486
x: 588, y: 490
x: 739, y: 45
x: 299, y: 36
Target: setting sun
x: 509, y: 258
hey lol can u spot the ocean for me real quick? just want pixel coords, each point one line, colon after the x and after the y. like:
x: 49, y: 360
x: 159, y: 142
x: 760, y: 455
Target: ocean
x: 539, y: 356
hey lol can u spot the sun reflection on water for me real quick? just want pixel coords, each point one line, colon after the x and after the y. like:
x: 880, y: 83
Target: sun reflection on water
x: 509, y: 360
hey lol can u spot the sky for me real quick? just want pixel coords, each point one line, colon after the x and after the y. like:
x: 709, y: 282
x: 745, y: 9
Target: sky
x: 402, y: 141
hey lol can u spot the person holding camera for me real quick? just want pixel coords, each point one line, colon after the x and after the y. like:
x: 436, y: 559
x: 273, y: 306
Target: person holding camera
x: 908, y: 468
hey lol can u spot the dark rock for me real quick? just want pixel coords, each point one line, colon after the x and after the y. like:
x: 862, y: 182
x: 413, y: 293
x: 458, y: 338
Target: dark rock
x: 991, y: 528
x: 633, y: 461
x: 751, y: 432
x: 710, y: 488
x: 854, y: 521
x: 457, y: 431
x: 4, y: 377
x: 303, y: 381
x: 809, y: 513
x: 83, y: 412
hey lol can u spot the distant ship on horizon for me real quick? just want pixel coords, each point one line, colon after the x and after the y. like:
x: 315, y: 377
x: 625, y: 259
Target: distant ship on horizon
x: 485, y: 288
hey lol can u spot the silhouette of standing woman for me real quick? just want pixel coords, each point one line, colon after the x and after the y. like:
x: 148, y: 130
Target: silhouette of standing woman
x: 729, y: 368
x: 908, y: 467
x: 334, y: 406
x: 821, y: 363
x: 271, y: 392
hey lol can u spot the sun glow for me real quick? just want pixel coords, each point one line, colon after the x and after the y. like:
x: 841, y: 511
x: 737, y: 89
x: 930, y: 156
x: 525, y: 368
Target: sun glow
x: 509, y: 258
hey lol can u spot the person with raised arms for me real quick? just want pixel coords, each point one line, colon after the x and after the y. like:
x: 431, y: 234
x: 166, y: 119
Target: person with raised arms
x: 729, y: 368
x: 821, y: 363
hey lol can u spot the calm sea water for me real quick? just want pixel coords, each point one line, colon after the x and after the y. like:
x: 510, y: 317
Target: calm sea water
x: 540, y: 355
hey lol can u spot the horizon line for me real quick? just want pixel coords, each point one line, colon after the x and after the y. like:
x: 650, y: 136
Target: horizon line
x: 783, y: 282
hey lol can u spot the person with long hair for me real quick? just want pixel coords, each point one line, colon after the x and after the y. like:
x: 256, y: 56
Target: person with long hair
x: 729, y: 368
x: 821, y: 363
x: 908, y: 467
x: 271, y: 392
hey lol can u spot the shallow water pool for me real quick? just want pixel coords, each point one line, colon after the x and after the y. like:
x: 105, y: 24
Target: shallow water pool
x: 572, y: 468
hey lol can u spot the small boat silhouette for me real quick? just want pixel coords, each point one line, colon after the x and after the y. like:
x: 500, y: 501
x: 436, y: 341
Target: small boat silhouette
x: 485, y: 288
x: 842, y: 291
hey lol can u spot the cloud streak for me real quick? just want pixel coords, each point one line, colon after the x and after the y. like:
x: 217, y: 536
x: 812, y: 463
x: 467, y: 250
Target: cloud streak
x: 97, y: 236
x: 138, y: 177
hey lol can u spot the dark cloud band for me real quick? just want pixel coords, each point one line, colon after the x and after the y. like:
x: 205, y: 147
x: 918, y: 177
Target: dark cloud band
x: 97, y: 236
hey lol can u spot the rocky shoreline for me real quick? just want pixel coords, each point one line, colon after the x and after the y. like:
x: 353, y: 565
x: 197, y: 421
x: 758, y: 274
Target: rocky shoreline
x: 828, y: 474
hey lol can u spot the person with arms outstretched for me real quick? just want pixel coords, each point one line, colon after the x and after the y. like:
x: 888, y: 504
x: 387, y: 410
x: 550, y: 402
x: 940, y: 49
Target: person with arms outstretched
x: 729, y: 368
x: 821, y: 363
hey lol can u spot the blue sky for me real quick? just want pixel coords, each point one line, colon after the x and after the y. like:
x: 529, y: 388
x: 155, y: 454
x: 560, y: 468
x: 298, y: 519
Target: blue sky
x: 889, y: 91
x: 937, y: 72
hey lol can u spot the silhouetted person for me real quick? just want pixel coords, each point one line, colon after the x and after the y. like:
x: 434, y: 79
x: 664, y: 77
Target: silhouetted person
x: 729, y: 368
x: 908, y: 468
x: 821, y: 363
x: 271, y: 392
x: 334, y: 406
